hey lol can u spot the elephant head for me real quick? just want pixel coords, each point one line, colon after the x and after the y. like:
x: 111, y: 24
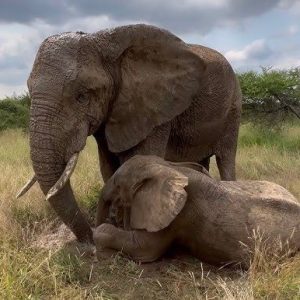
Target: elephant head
x: 145, y: 188
x: 126, y: 81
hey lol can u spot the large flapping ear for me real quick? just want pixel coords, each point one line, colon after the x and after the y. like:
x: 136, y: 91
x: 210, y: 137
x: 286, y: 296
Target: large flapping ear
x: 159, y: 198
x: 159, y: 78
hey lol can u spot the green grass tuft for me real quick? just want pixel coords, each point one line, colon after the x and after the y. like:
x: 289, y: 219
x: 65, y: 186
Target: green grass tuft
x: 286, y: 140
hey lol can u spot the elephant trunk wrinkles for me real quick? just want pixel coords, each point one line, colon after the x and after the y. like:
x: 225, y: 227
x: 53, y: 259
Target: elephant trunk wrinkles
x: 48, y: 166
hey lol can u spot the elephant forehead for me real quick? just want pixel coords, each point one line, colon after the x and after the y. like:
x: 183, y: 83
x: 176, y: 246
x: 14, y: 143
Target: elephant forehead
x: 56, y: 61
x: 62, y: 42
x: 58, y: 52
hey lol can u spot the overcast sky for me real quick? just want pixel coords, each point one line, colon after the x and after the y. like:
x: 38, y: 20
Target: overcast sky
x: 250, y: 33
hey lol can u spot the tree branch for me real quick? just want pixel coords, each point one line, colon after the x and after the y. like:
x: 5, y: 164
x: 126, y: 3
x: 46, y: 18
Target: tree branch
x: 291, y: 108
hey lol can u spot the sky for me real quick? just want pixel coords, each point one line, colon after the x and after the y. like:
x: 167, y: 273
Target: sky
x: 249, y: 33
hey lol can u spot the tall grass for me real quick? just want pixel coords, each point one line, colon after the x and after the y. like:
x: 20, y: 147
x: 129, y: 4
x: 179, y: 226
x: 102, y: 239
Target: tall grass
x: 29, y: 272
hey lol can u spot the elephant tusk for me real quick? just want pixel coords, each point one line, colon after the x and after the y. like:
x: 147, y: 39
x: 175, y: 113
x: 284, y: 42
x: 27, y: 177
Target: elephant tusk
x: 26, y: 187
x: 64, y: 177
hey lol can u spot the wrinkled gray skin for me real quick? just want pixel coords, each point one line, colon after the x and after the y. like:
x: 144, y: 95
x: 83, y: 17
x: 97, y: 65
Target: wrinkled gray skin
x: 209, y: 218
x: 139, y: 90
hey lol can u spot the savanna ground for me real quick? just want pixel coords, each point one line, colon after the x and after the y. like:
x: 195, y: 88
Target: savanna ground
x: 36, y: 265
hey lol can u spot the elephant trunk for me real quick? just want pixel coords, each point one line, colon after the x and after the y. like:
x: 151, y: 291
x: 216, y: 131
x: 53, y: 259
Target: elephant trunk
x: 49, y: 165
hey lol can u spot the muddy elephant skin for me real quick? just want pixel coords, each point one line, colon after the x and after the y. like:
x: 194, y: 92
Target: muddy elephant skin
x: 149, y: 204
x: 137, y: 89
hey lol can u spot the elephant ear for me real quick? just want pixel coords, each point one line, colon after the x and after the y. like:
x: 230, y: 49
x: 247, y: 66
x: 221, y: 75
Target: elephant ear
x: 159, y: 78
x: 158, y: 199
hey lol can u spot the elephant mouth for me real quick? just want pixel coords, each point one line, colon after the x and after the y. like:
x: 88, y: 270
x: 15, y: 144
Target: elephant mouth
x: 63, y: 179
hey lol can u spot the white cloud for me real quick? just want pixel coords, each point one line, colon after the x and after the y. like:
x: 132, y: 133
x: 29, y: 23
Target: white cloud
x: 287, y: 3
x: 258, y: 54
x: 192, y: 20
x: 93, y: 23
x: 258, y: 49
x: 19, y: 44
x: 289, y: 31
x: 286, y: 62
x: 292, y: 30
x: 7, y: 90
x: 293, y: 6
x: 21, y: 41
x: 196, y: 4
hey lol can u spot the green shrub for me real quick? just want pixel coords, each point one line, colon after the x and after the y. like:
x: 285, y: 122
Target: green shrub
x: 14, y: 112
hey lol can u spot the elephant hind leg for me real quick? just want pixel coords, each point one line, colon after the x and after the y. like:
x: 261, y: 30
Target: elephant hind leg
x: 226, y: 166
x: 226, y: 149
x: 226, y: 153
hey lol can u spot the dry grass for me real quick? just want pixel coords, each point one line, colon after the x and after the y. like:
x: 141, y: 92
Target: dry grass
x: 69, y: 272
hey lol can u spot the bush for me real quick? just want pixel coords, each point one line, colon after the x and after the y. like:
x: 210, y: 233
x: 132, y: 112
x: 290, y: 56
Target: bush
x: 14, y: 112
x: 270, y: 97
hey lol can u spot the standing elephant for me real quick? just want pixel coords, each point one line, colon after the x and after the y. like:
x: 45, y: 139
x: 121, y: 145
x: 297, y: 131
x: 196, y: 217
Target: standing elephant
x: 155, y: 204
x: 138, y: 90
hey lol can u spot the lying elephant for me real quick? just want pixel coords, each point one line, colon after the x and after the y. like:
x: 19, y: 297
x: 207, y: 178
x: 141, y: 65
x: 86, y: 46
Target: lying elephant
x: 155, y: 203
x: 137, y: 89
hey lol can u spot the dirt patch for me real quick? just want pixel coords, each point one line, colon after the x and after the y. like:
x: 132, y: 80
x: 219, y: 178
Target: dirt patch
x: 55, y: 239
x: 63, y: 238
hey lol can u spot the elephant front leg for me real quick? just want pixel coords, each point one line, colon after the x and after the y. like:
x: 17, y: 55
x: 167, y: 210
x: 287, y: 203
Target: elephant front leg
x: 108, y: 161
x: 140, y: 245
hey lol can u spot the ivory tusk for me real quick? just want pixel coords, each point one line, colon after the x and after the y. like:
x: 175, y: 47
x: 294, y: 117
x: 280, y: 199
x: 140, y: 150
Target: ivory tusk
x: 26, y: 187
x: 64, y: 177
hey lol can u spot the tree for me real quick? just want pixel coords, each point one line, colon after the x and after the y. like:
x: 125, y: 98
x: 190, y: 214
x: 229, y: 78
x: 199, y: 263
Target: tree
x: 271, y: 96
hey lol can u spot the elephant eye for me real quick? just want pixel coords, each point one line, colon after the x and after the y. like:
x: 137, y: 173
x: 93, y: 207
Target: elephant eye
x: 136, y: 187
x: 82, y: 98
